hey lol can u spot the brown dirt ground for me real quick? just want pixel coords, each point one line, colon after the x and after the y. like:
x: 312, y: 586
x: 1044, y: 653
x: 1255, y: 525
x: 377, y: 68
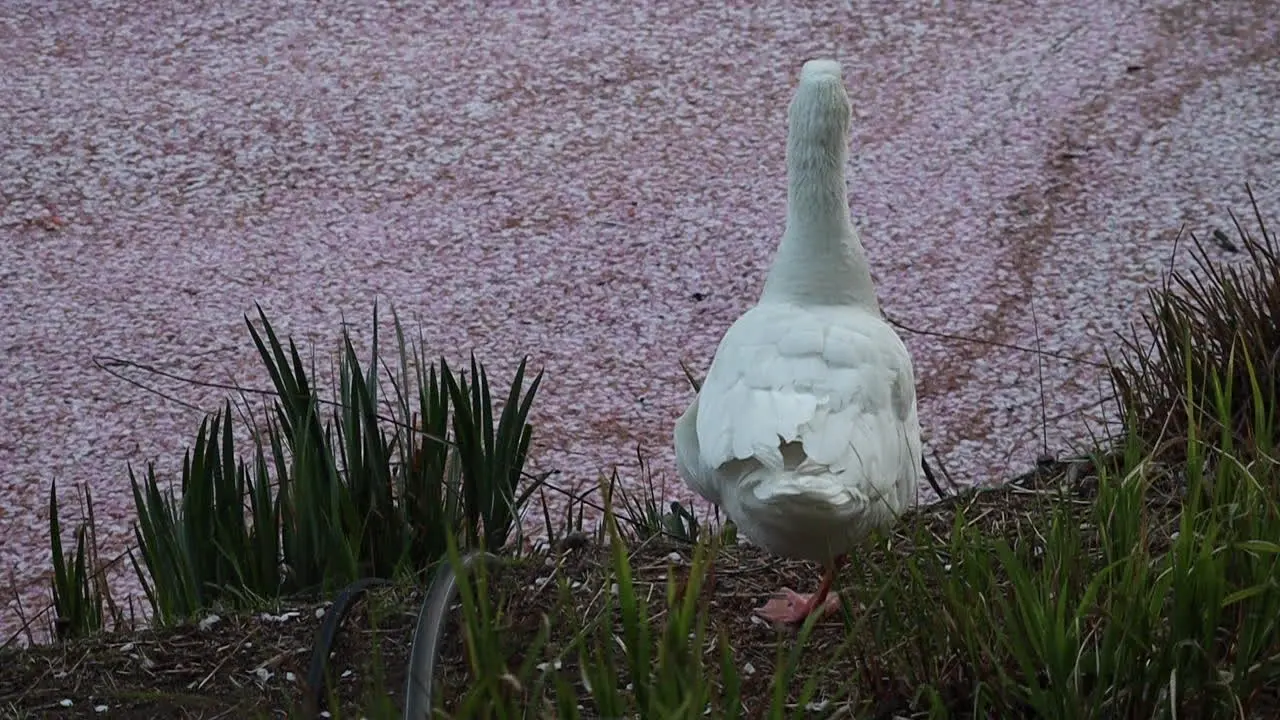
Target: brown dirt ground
x: 186, y: 672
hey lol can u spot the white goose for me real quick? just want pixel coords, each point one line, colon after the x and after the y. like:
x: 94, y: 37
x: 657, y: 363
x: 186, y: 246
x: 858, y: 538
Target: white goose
x: 805, y: 431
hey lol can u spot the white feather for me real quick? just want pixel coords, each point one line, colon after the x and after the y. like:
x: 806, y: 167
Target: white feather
x: 805, y: 430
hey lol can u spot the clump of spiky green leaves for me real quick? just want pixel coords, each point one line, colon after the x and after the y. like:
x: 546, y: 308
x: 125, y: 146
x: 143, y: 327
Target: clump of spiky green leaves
x: 80, y: 595
x: 644, y: 511
x: 1212, y: 332
x: 327, y: 495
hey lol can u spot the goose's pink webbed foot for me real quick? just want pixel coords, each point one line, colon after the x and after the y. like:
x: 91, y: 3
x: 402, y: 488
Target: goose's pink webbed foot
x: 789, y: 607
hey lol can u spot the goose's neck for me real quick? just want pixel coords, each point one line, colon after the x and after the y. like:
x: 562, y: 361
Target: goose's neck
x: 817, y: 202
x: 820, y: 259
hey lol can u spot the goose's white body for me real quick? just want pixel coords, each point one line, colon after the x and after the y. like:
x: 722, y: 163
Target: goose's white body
x: 805, y: 431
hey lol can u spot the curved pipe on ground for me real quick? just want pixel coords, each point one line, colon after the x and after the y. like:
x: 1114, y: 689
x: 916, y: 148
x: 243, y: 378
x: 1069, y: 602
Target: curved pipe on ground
x: 427, y: 637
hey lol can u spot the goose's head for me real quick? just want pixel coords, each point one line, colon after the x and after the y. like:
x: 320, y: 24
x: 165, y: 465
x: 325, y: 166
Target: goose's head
x: 819, y: 113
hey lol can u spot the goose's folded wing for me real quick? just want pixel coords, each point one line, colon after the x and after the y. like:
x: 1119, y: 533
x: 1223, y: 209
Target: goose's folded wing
x: 698, y: 476
x: 845, y: 390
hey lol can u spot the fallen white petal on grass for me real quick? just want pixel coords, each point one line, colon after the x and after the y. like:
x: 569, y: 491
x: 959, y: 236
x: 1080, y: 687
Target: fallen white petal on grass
x: 208, y: 621
x: 284, y: 617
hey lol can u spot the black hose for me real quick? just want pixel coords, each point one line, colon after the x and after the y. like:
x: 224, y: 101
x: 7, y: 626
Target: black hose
x: 432, y: 618
x: 933, y: 481
x: 313, y: 702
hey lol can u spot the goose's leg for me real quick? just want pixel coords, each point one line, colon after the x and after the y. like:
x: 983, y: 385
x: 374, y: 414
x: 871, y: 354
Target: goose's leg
x: 791, y: 608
